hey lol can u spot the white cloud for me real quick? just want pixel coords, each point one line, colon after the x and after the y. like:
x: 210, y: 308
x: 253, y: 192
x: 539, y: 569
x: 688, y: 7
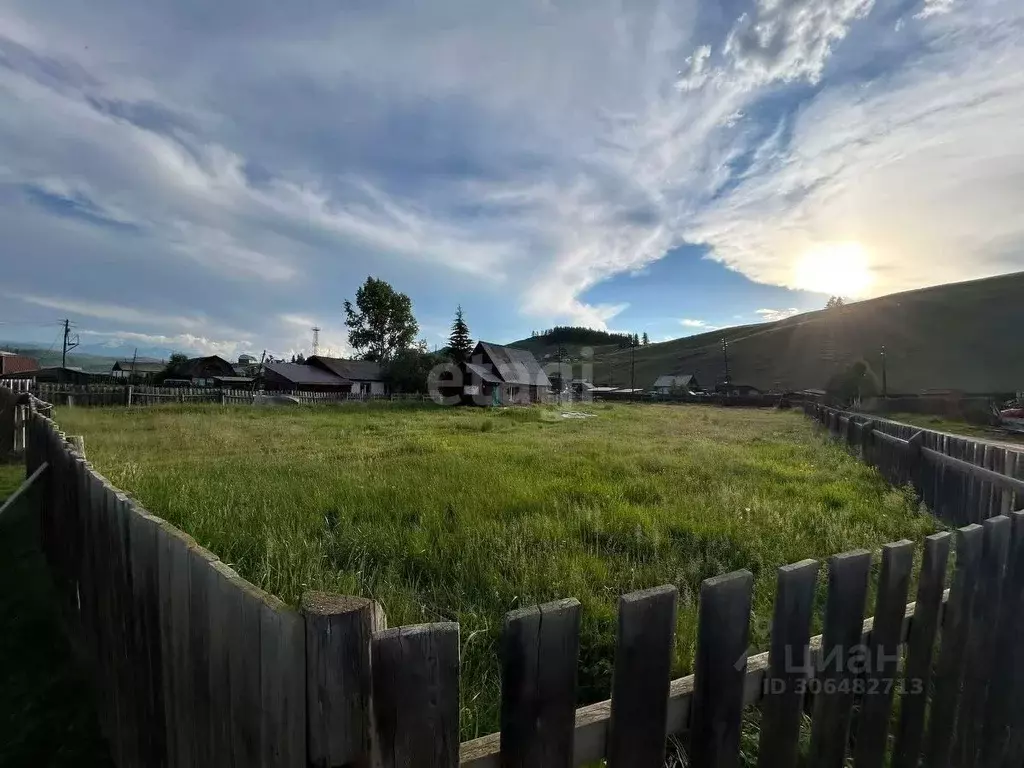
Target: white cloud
x: 771, y: 315
x: 700, y: 324
x: 287, y: 152
x: 934, y: 8
x: 180, y: 342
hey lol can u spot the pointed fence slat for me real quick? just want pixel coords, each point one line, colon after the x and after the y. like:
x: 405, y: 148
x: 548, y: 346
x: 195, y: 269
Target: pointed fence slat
x: 949, y: 670
x: 1007, y: 685
x: 640, y: 682
x: 920, y: 651
x: 844, y: 618
x: 720, y: 669
x: 978, y: 659
x: 883, y: 654
x: 789, y: 661
x: 540, y: 650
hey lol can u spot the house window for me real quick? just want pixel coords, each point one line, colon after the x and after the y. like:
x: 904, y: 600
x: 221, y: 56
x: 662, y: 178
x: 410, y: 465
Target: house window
x: 365, y: 387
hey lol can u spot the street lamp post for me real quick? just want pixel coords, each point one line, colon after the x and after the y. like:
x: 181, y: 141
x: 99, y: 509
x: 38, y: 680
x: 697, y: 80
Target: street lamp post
x: 885, y: 382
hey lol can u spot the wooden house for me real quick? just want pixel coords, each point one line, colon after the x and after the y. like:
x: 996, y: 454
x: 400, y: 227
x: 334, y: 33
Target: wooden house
x: 497, y: 375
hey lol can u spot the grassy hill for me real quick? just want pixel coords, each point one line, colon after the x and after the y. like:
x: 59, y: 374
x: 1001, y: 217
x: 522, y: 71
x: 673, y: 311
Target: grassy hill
x: 967, y: 336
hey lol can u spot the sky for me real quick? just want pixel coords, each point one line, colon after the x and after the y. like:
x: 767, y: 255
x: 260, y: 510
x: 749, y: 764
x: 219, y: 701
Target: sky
x: 218, y: 178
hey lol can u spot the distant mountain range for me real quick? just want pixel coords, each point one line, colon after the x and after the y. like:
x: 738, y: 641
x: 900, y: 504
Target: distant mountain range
x: 967, y: 336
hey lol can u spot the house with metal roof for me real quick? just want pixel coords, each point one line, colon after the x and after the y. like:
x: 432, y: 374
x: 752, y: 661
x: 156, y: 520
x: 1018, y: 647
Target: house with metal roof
x: 365, y: 376
x: 676, y: 382
x: 497, y: 375
x: 139, y: 370
x: 302, y: 377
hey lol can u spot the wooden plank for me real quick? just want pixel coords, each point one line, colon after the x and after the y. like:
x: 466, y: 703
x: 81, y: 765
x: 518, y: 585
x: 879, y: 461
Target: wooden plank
x: 283, y: 687
x: 723, y: 632
x: 220, y: 607
x: 844, y: 617
x: 338, y: 630
x: 539, y: 654
x: 642, y: 673
x: 415, y: 673
x: 883, y: 654
x: 978, y: 661
x: 124, y: 623
x: 245, y: 662
x: 176, y: 560
x: 1007, y: 686
x: 145, y: 575
x: 920, y: 650
x: 202, y: 585
x: 789, y: 659
x: 949, y: 670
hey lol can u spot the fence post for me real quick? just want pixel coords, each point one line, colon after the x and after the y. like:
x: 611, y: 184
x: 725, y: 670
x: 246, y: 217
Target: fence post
x: 338, y: 631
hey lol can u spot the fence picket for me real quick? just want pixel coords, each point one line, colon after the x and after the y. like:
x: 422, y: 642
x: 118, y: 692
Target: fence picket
x: 884, y: 647
x: 788, y: 660
x: 978, y: 660
x: 415, y: 673
x: 844, y: 618
x: 920, y: 650
x: 949, y: 670
x: 283, y: 687
x: 642, y: 672
x: 720, y: 665
x: 539, y: 654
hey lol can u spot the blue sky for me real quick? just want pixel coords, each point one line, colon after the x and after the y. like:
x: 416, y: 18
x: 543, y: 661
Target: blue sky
x: 219, y: 177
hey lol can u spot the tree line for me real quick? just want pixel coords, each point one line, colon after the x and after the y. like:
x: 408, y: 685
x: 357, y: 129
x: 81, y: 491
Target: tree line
x: 382, y: 328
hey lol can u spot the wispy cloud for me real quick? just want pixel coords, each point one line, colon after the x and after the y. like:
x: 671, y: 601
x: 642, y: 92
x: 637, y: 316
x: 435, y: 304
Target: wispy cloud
x: 289, y: 155
x: 699, y: 324
x: 771, y: 315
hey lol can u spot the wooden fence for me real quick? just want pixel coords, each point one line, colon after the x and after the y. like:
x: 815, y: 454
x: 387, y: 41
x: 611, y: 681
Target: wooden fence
x: 960, y: 479
x: 138, y: 395
x: 197, y: 667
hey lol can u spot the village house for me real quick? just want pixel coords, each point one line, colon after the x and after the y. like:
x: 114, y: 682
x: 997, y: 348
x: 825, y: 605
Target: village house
x: 201, y: 371
x: 674, y: 383
x: 299, y: 377
x: 497, y: 375
x: 366, y: 377
x: 12, y: 362
x: 137, y: 370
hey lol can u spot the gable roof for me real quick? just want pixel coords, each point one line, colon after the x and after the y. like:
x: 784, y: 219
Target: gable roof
x: 514, y: 366
x: 141, y: 366
x: 298, y: 373
x: 353, y: 370
x: 212, y: 365
x: 673, y: 380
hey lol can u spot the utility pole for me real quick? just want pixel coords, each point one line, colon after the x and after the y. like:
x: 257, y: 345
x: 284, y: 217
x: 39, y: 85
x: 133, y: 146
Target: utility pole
x: 259, y: 371
x: 68, y: 344
x: 885, y: 382
x: 135, y: 357
x: 632, y: 369
x: 725, y: 357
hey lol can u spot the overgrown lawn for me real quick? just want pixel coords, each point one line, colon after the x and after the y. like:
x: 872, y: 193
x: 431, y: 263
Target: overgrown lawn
x: 464, y: 514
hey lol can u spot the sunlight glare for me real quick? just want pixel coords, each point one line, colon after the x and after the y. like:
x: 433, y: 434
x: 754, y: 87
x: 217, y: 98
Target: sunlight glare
x: 840, y: 269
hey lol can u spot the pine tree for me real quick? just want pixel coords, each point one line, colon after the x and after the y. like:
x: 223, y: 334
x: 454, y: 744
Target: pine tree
x: 636, y: 339
x: 646, y: 339
x: 460, y: 345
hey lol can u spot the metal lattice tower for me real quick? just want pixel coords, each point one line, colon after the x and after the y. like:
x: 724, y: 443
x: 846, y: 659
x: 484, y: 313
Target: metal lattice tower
x: 316, y: 340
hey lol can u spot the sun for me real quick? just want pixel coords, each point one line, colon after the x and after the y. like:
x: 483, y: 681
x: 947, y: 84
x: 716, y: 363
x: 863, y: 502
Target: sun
x: 839, y: 269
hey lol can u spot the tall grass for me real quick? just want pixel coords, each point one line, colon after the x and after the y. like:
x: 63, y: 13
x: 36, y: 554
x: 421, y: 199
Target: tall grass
x: 464, y: 514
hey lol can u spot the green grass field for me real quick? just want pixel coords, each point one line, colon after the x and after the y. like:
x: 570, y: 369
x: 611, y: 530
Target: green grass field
x: 464, y: 514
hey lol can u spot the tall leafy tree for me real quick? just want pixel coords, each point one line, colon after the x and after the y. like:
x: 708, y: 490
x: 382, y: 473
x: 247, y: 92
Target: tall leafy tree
x: 381, y: 323
x: 460, y: 345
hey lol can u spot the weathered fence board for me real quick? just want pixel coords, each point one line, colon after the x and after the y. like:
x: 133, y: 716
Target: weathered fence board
x: 540, y: 650
x: 789, y: 659
x: 642, y: 671
x: 719, y: 669
x: 844, y: 618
